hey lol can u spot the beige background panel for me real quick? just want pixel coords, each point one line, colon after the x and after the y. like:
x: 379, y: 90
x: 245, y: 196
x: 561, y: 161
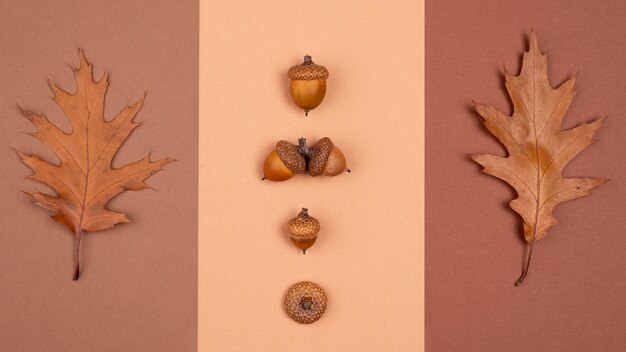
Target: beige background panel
x: 369, y: 255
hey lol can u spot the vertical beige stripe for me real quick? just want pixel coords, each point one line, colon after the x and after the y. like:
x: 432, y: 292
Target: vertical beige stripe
x: 369, y: 255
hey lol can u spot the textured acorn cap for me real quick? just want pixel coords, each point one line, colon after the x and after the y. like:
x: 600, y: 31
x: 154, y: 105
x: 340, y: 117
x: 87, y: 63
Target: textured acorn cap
x: 290, y: 155
x: 319, y: 156
x: 305, y: 302
x: 303, y: 226
x: 308, y: 71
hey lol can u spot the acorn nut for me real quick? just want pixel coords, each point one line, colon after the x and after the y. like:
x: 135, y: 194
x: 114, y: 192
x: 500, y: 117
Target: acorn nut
x: 305, y: 302
x: 283, y: 162
x: 308, y: 84
x: 326, y: 159
x: 303, y: 230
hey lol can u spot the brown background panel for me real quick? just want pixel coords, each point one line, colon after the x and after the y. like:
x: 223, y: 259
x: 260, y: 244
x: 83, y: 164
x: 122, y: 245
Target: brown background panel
x: 138, y: 286
x: 573, y: 298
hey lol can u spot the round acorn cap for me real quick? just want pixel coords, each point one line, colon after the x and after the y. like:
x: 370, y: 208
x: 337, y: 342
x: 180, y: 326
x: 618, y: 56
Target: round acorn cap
x: 306, y: 302
x: 290, y: 155
x: 303, y: 226
x: 307, y: 71
x: 319, y: 156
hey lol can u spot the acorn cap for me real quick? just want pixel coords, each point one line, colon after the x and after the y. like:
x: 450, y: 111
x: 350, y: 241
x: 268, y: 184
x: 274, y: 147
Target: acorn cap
x: 307, y: 71
x: 303, y: 226
x: 305, y: 302
x: 290, y: 155
x: 319, y: 156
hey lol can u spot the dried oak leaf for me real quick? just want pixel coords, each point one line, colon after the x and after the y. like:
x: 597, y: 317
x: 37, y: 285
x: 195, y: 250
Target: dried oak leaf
x: 84, y: 179
x: 538, y: 149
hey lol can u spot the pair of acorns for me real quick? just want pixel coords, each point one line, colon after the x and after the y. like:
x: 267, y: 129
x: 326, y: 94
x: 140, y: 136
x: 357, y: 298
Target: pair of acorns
x: 305, y: 302
x: 287, y: 159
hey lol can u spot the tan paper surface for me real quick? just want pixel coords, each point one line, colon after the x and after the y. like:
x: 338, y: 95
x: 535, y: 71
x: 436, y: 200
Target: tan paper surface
x: 369, y: 254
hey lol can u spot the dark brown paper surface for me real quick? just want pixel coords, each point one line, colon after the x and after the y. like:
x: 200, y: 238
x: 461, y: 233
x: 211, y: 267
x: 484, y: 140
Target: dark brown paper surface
x: 138, y: 286
x: 572, y: 300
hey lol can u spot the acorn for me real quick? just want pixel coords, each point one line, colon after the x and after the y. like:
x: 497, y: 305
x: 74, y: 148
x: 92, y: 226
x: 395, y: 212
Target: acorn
x: 283, y: 162
x: 326, y: 159
x: 308, y: 84
x: 305, y: 302
x: 303, y: 230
